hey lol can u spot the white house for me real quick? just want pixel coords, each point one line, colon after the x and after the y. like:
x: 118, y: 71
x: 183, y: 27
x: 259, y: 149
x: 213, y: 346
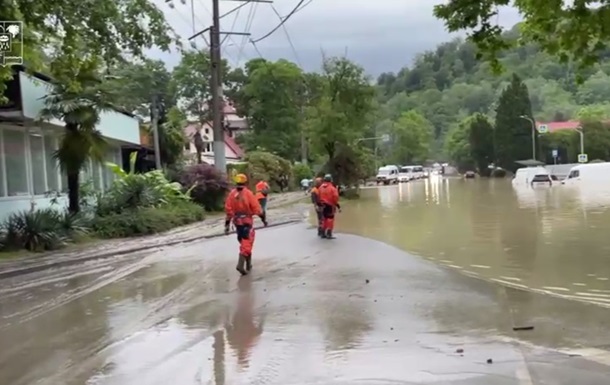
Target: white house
x: 27, y: 168
x: 233, y: 152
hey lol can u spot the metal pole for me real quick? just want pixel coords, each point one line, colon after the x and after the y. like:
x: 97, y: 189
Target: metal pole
x: 155, y: 129
x: 533, y: 139
x: 216, y: 88
x: 582, y: 141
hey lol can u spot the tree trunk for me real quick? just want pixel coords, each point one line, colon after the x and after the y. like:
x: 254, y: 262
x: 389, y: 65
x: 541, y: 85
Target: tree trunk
x: 73, y: 192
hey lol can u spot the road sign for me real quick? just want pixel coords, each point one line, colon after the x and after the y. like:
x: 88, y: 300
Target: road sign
x: 583, y: 158
x: 543, y: 128
x: 555, y: 153
x: 385, y: 138
x: 11, y: 43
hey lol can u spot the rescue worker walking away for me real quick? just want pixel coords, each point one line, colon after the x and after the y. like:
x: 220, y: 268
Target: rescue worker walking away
x: 329, y: 198
x: 317, y: 205
x: 241, y: 206
x: 262, y: 191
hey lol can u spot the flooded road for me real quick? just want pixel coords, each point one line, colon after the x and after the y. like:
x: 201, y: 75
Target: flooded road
x: 551, y: 240
x: 347, y: 311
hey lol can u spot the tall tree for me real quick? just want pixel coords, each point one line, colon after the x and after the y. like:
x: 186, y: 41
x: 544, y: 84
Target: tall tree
x: 78, y: 98
x: 481, y: 138
x: 411, y: 138
x: 270, y: 99
x: 457, y: 146
x: 513, y: 133
x: 342, y: 112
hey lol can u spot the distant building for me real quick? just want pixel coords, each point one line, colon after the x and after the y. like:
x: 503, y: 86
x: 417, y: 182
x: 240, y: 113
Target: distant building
x: 233, y: 152
x: 235, y: 124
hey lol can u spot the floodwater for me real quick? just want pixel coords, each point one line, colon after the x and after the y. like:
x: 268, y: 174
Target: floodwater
x: 348, y: 311
x: 553, y: 240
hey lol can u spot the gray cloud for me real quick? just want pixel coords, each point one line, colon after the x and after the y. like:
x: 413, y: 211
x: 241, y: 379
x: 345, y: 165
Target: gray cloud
x: 381, y: 35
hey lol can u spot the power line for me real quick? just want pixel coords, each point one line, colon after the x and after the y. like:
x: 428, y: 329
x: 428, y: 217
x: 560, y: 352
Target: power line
x: 283, y: 20
x: 296, y: 55
x: 248, y: 26
x: 232, y: 25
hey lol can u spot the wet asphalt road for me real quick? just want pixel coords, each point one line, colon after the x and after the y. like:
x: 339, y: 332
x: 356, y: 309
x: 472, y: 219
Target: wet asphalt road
x: 346, y: 311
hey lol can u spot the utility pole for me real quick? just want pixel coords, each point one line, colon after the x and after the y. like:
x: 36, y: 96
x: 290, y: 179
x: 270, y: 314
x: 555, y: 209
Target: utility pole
x: 220, y: 161
x: 155, y: 129
x: 304, y: 98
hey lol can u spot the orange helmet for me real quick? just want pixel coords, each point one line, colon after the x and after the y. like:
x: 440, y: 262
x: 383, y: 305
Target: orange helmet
x: 240, y: 179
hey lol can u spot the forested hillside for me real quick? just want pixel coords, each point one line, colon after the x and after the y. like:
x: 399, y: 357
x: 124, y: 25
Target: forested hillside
x: 448, y: 84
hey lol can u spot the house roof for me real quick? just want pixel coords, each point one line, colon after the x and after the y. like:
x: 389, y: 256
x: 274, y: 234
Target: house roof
x: 236, y: 148
x: 558, y: 126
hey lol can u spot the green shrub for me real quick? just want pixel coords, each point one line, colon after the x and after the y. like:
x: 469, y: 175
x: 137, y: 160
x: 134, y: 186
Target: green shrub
x: 301, y: 171
x: 209, y: 186
x: 147, y: 220
x: 267, y: 166
x: 133, y: 191
x: 41, y: 230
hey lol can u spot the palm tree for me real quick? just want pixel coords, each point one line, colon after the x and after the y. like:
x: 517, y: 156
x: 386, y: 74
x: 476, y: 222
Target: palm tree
x: 78, y: 99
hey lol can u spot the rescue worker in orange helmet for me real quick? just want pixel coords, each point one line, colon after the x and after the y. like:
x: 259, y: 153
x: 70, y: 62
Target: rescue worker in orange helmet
x: 329, y: 198
x: 317, y: 205
x: 262, y: 191
x: 240, y: 207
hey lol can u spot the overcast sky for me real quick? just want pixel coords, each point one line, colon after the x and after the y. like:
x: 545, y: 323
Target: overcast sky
x: 381, y: 35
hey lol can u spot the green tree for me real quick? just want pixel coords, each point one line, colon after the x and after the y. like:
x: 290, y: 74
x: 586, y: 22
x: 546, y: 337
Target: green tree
x: 190, y: 82
x: 457, y: 146
x: 78, y: 98
x: 513, y: 134
x: 565, y: 29
x: 481, y: 140
x: 271, y: 97
x: 341, y: 114
x: 411, y: 139
x: 171, y: 137
x: 109, y: 30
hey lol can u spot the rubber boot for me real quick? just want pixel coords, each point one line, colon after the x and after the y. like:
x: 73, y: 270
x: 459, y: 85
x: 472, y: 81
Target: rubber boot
x: 240, y: 265
x: 320, y: 232
x: 248, y: 263
x: 328, y: 234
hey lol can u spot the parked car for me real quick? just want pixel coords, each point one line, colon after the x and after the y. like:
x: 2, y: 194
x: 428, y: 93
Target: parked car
x: 387, y: 175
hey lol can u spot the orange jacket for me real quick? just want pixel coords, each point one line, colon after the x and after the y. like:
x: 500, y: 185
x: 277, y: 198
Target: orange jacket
x: 262, y: 189
x: 241, y: 206
x: 328, y: 194
x: 315, y: 196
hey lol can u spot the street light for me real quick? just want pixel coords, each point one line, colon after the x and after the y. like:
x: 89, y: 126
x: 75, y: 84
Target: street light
x: 582, y: 139
x: 384, y: 138
x: 533, y: 134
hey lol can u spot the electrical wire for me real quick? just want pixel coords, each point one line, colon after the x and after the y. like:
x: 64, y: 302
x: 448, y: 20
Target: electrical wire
x: 294, y: 51
x: 283, y: 20
x: 248, y: 27
x: 232, y: 26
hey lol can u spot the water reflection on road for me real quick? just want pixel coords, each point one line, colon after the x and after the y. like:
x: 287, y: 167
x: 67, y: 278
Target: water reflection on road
x: 548, y: 239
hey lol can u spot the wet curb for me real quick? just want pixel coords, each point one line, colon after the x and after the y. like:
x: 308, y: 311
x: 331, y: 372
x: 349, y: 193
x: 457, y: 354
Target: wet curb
x: 45, y: 266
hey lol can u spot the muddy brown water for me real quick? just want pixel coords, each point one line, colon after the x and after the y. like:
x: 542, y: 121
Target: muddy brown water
x: 347, y: 311
x: 552, y: 240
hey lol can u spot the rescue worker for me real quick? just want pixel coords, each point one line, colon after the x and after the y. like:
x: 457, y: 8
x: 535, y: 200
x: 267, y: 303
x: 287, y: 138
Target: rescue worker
x: 262, y: 190
x: 241, y: 206
x: 329, y: 198
x: 317, y: 205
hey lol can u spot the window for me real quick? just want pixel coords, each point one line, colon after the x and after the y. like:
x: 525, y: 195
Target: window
x: 574, y: 174
x: 37, y: 158
x: 187, y: 146
x: 50, y: 146
x: 15, y: 163
x: 207, y: 131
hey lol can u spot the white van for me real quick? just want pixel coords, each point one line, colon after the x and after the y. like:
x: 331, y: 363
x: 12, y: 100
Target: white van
x: 532, y: 176
x: 588, y: 173
x: 387, y: 175
x: 405, y: 174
